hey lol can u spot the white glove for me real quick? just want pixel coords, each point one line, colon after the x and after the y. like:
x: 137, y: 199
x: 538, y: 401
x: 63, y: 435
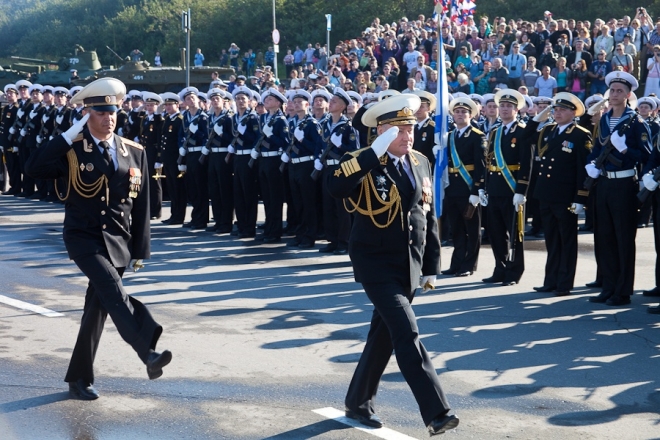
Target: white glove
x: 39, y: 139
x: 649, y: 182
x: 183, y: 168
x: 592, y: 171
x: 318, y: 164
x: 577, y: 208
x: 120, y: 132
x: 192, y: 128
x: 597, y: 106
x: 299, y: 134
x: 267, y: 130
x: 474, y: 200
x: 231, y: 149
x: 23, y: 132
x: 136, y: 139
x: 158, y: 165
x: 544, y: 115
x: 44, y: 118
x: 205, y: 151
x: 382, y: 142
x: 241, y: 128
x: 75, y: 129
x: 483, y: 197
x: 218, y: 129
x: 254, y: 154
x: 436, y: 149
x: 619, y: 142
x: 518, y: 199
x: 136, y: 264
x: 2, y: 149
x: 336, y: 139
x: 285, y: 158
x: 427, y: 283
x: 20, y: 113
x: 14, y: 150
x: 182, y: 151
x: 50, y: 138
x: 12, y: 130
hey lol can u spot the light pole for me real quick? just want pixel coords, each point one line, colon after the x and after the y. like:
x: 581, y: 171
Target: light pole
x: 276, y: 42
x: 185, y: 24
x: 328, y: 20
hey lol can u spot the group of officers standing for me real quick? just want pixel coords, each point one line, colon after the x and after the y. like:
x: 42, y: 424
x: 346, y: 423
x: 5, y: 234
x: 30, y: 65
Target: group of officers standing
x: 282, y: 146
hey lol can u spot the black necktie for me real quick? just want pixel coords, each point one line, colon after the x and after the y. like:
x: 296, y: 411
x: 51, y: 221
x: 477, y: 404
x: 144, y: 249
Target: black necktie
x: 108, y: 158
x: 406, y: 184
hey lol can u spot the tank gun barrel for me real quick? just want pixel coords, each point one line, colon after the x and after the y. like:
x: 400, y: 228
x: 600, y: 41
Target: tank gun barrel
x: 115, y: 54
x: 33, y: 60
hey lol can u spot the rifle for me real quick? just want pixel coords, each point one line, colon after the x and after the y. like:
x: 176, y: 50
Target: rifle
x: 605, y: 155
x: 644, y: 193
x: 289, y: 149
x: 516, y: 234
x: 324, y: 155
x: 257, y: 147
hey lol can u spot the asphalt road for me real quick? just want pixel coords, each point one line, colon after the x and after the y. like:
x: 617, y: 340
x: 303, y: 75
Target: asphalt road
x: 263, y: 336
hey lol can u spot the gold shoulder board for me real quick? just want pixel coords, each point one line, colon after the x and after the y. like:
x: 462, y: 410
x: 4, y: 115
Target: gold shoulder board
x: 78, y: 138
x: 131, y: 143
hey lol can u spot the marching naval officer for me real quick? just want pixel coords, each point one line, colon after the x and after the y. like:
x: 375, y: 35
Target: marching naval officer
x: 106, y: 227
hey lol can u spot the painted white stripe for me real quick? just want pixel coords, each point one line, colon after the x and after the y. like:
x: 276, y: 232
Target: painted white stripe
x: 30, y: 307
x: 385, y: 433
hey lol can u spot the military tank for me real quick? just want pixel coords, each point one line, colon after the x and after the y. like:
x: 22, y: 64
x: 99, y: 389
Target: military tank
x: 85, y: 62
x: 140, y: 75
x: 10, y: 76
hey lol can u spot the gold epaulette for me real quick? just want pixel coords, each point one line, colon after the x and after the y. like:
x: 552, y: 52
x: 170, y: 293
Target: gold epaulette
x: 579, y: 127
x: 78, y: 138
x: 414, y: 159
x: 521, y: 124
x: 131, y: 143
x: 356, y: 153
x: 477, y: 131
x: 430, y: 122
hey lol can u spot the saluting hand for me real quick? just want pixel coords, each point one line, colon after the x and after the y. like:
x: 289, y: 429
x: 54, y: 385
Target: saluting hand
x: 75, y: 129
x: 382, y: 142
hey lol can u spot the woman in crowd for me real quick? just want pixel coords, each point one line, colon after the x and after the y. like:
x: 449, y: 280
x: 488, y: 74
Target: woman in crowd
x: 622, y: 59
x: 577, y: 80
x: 653, y: 75
x: 526, y: 47
x: 604, y: 42
x: 560, y: 73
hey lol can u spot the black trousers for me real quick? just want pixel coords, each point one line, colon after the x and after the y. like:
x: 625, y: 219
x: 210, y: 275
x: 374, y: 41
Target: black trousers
x: 394, y: 327
x: 500, y: 221
x: 245, y: 194
x: 13, y: 170
x: 656, y: 233
x: 28, y: 184
x: 336, y: 220
x: 466, y: 234
x: 197, y: 186
x: 561, y: 242
x: 292, y: 218
x: 106, y: 295
x: 155, y: 194
x: 271, y: 182
x: 177, y: 190
x: 615, y: 232
x: 304, y: 194
x: 221, y: 190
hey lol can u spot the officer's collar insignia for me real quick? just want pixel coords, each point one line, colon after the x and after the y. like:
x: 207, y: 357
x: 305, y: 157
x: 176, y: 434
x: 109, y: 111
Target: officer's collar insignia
x: 87, y: 148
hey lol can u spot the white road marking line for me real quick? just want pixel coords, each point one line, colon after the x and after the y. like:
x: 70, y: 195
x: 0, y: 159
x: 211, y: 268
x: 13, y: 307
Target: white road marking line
x: 385, y: 433
x: 30, y: 307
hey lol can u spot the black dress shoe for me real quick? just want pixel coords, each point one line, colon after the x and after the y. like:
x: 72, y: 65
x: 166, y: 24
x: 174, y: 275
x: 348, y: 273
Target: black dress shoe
x: 234, y: 233
x: 156, y: 362
x: 442, y: 424
x: 294, y: 243
x: 534, y: 232
x: 448, y: 272
x: 371, y: 420
x: 306, y: 245
x: 467, y: 273
x: 82, y: 390
x: 247, y: 234
x: 20, y: 194
x: 272, y: 240
x: 653, y: 292
x: 597, y: 284
x: 493, y: 280
x: 655, y: 310
x: 586, y: 228
x: 601, y: 298
x: 188, y: 225
x: 562, y: 293
x: 175, y: 222
x: 223, y: 230
x: 34, y: 196
x: 340, y: 251
x: 617, y: 300
x: 213, y: 228
x: 331, y: 247
x: 544, y: 289
x: 198, y: 227
x: 509, y: 283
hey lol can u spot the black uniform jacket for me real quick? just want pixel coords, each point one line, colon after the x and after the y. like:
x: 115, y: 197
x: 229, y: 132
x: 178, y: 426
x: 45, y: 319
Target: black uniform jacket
x: 471, y: 148
x: 409, y: 246
x: 517, y: 153
x: 425, y: 139
x: 111, y: 219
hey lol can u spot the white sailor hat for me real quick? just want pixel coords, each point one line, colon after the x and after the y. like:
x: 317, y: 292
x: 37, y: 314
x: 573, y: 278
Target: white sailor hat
x: 466, y: 103
x: 569, y: 101
x: 426, y: 97
x: 218, y: 83
x: 460, y: 95
x: 201, y: 96
x: 188, y: 91
x: 541, y: 100
x: 152, y: 98
x: 300, y: 93
x: 528, y: 101
x: 75, y: 89
x: 387, y: 94
x: 256, y: 96
x: 274, y: 93
x: 215, y: 92
x: 648, y: 100
x: 477, y: 98
x: 47, y: 89
x: 323, y: 93
x: 592, y: 100
x: 241, y: 77
x: 488, y: 97
x: 341, y: 93
x: 313, y: 76
x: 355, y: 96
x: 135, y: 94
x: 170, y: 98
x: 622, y: 77
x: 38, y: 87
x: 511, y: 96
x: 657, y: 101
x: 9, y: 87
x: 395, y: 110
x: 101, y: 95
x: 22, y: 83
x: 241, y: 90
x: 632, y: 99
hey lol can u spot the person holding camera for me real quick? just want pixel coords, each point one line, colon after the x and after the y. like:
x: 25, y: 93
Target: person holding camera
x: 653, y: 75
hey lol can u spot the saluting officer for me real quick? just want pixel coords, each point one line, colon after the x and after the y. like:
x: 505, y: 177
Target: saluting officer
x: 7, y: 119
x: 425, y: 126
x: 307, y: 145
x: 246, y: 134
x: 221, y: 186
x: 466, y: 166
x: 616, y: 202
x: 105, y: 227
x: 150, y: 129
x: 169, y: 141
x: 193, y: 135
x: 509, y: 163
x: 132, y: 128
x: 339, y: 137
x: 562, y: 147
x: 394, y: 241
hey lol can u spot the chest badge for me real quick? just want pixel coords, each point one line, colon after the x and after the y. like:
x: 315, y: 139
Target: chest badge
x: 89, y: 167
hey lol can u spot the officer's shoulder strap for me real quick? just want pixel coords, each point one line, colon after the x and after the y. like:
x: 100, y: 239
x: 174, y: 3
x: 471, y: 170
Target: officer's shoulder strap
x: 477, y: 131
x: 580, y: 128
x: 356, y: 153
x: 78, y: 138
x: 131, y: 143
